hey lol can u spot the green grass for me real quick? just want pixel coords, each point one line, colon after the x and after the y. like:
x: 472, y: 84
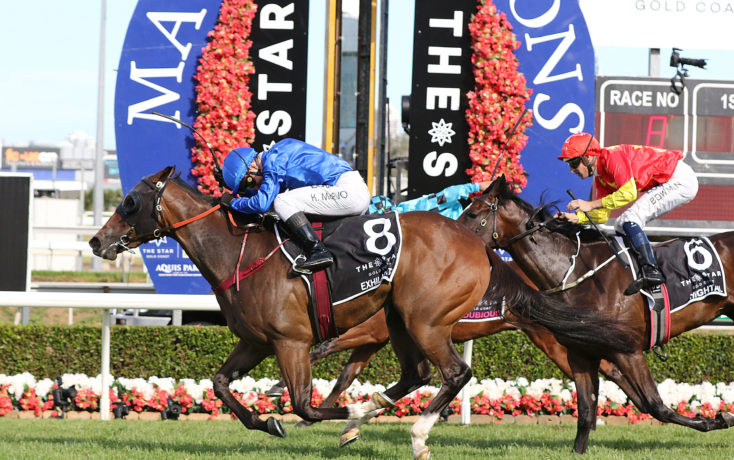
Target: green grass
x: 90, y: 439
x: 88, y: 276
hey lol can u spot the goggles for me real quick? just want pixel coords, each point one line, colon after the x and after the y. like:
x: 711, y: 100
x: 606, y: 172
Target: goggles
x: 574, y: 163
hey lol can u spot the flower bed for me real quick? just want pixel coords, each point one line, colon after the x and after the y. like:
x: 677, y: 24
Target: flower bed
x: 488, y: 397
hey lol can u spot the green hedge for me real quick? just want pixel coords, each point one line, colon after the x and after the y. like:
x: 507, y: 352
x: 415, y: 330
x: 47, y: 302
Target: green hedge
x: 197, y: 352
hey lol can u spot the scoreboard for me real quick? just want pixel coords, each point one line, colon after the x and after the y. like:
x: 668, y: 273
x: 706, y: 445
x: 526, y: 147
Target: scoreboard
x: 698, y: 122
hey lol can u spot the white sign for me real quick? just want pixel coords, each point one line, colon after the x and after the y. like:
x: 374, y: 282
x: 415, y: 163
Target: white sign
x: 687, y: 24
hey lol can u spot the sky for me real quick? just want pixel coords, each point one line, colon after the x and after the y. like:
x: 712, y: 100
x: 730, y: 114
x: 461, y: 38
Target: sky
x: 49, y: 72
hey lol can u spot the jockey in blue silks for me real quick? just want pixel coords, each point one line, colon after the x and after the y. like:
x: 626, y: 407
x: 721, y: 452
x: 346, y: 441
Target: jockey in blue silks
x: 295, y: 178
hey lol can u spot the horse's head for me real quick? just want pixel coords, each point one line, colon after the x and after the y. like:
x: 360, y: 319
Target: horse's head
x: 136, y: 220
x: 499, y: 215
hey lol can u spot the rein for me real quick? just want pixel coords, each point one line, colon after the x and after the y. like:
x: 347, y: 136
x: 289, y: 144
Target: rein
x: 494, y: 207
x: 159, y: 187
x: 164, y: 228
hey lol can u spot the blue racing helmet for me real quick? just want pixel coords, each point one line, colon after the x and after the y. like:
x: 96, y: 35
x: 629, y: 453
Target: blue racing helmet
x: 235, y: 166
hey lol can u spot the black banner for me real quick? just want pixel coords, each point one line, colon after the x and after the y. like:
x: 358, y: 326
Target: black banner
x: 15, y: 227
x: 442, y: 75
x: 280, y: 53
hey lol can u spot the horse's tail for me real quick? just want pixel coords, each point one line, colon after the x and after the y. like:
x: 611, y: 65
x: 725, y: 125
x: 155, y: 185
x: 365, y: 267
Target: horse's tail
x: 567, y: 323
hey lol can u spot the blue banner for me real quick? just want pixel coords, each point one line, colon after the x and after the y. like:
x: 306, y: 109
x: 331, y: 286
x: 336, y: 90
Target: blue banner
x: 162, y: 47
x: 557, y: 58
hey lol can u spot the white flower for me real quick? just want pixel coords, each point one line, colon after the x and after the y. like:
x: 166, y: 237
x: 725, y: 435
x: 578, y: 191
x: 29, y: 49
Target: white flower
x: 43, y: 388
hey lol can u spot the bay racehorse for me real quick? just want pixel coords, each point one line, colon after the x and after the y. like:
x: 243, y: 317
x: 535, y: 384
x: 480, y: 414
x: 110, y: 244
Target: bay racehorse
x: 444, y: 271
x: 369, y: 337
x: 543, y: 248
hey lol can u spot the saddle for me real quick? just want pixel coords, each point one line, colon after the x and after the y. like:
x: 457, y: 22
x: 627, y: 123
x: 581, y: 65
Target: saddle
x: 366, y: 252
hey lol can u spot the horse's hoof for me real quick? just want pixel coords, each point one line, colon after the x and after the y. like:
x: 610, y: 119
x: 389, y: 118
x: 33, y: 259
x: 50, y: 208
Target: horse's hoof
x: 275, y: 427
x: 424, y: 455
x: 349, y: 437
x: 727, y: 418
x: 303, y: 424
x: 275, y: 392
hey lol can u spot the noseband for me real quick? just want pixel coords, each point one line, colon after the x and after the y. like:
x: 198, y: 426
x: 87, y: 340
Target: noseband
x: 492, y: 208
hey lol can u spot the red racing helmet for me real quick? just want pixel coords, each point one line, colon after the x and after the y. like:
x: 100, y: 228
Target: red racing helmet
x: 579, y: 144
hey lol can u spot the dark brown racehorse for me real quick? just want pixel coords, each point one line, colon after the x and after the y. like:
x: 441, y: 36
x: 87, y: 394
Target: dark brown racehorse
x: 543, y: 247
x: 444, y: 271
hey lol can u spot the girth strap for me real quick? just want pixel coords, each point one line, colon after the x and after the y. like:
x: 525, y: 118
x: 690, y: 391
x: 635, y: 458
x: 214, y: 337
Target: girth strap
x: 322, y: 308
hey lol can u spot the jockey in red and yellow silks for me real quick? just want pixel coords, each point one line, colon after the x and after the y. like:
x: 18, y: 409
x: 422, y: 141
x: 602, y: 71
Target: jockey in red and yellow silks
x: 654, y: 180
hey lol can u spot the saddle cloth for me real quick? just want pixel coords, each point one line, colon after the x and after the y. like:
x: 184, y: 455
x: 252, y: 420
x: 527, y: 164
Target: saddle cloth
x: 486, y: 310
x: 366, y: 252
x: 692, y: 270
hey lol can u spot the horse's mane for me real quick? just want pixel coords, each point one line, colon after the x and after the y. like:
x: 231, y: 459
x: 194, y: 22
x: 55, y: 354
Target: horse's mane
x: 542, y: 213
x: 193, y: 190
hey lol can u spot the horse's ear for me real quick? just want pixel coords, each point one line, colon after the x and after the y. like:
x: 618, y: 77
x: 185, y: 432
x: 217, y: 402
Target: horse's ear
x: 497, y: 186
x: 164, y: 174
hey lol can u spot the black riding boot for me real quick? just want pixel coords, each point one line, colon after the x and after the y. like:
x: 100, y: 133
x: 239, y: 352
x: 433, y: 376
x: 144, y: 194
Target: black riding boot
x: 317, y: 256
x: 650, y: 274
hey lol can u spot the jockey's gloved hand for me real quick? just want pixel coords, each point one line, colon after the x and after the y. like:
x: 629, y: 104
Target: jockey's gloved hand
x: 226, y: 200
x: 219, y: 177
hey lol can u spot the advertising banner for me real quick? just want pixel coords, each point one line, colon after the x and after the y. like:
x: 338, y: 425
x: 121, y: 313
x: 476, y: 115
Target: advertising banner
x: 31, y: 157
x: 163, y: 44
x: 695, y: 24
x: 557, y: 60
x: 280, y: 55
x: 442, y: 75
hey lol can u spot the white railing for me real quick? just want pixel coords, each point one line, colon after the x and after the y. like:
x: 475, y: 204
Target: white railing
x: 107, y: 302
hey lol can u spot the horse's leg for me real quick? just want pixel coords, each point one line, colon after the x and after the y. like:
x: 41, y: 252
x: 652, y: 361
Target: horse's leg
x: 425, y: 341
x: 635, y: 369
x: 293, y: 361
x: 415, y: 371
x: 359, y: 359
x: 613, y: 374
x: 455, y: 373
x: 321, y: 351
x: 371, y: 332
x: 243, y: 358
x: 586, y: 376
x: 546, y: 341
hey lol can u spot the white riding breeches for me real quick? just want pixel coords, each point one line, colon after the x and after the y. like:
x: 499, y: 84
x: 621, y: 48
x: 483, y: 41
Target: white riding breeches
x: 680, y: 189
x: 349, y: 196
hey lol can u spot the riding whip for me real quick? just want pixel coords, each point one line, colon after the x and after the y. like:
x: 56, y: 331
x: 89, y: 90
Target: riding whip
x: 506, y: 142
x: 612, y: 244
x: 217, y: 168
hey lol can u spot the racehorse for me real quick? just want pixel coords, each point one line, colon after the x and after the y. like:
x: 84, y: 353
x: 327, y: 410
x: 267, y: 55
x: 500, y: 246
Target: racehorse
x: 542, y: 247
x: 369, y: 337
x: 443, y: 272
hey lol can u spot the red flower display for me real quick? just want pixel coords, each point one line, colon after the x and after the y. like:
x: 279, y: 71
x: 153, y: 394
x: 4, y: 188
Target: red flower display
x: 6, y: 404
x: 223, y: 96
x: 498, y: 100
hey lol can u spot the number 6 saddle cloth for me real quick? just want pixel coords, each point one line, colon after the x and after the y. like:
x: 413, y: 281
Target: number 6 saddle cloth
x: 692, y: 270
x: 366, y: 252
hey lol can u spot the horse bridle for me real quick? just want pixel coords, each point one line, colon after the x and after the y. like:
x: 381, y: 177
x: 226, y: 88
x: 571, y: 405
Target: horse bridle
x: 130, y: 211
x: 493, y: 207
x: 161, y: 228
